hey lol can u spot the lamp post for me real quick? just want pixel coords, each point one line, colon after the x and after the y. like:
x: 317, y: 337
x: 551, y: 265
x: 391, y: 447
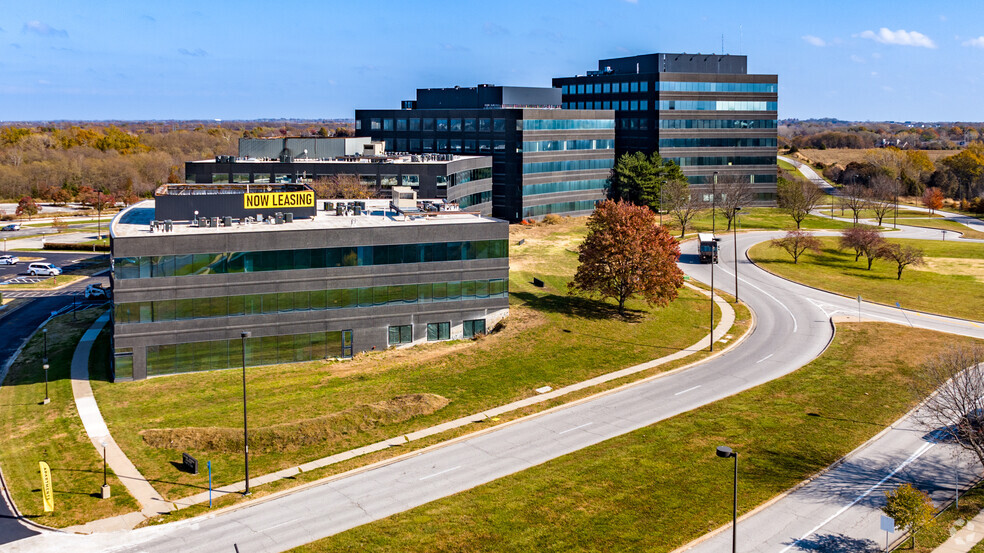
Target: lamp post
x: 105, y: 488
x: 44, y: 366
x: 725, y: 452
x: 713, y: 260
x: 895, y: 219
x: 734, y: 233
x: 245, y: 334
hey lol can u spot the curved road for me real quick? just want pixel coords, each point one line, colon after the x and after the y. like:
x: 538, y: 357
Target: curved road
x: 793, y: 327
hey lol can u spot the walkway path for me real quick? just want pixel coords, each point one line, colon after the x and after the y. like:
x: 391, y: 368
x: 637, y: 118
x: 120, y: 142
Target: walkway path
x: 152, y: 504
x: 966, y: 538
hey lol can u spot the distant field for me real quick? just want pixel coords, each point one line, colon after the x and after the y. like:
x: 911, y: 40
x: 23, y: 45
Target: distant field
x: 843, y: 156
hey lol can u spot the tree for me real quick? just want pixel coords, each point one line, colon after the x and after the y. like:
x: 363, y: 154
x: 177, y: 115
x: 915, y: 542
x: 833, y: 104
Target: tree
x: 682, y: 203
x: 626, y: 253
x: 857, y: 198
x: 61, y: 196
x: 640, y: 179
x: 883, y: 197
x: 952, y: 383
x: 933, y: 199
x: 798, y: 198
x: 27, y: 206
x: 342, y: 187
x: 911, y: 509
x: 343, y: 131
x: 864, y: 241
x: 796, y: 242
x: 903, y: 256
x: 736, y: 193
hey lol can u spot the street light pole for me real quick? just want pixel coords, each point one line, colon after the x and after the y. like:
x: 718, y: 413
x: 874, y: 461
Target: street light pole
x: 895, y: 220
x: 725, y: 452
x: 44, y: 365
x: 734, y: 233
x: 713, y: 260
x: 245, y: 334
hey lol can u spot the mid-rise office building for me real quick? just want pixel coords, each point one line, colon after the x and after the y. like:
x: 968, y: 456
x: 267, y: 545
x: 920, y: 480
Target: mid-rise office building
x: 544, y: 159
x: 704, y: 112
x: 324, y: 284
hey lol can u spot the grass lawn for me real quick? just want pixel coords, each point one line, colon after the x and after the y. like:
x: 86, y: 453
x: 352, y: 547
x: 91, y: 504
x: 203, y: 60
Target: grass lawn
x: 657, y: 488
x: 549, y: 339
x: 31, y: 432
x: 45, y: 284
x: 944, y: 224
x: 759, y: 218
x: 951, y: 283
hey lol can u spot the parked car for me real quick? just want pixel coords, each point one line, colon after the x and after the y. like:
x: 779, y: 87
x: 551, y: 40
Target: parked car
x: 9, y: 260
x: 11, y: 227
x: 47, y: 269
x: 97, y: 292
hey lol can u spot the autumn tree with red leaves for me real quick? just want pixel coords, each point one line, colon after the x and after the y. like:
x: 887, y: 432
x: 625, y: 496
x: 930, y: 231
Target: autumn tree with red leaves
x: 864, y: 241
x: 626, y: 253
x: 933, y: 199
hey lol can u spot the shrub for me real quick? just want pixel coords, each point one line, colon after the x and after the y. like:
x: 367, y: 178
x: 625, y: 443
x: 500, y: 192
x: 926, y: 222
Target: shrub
x: 552, y: 219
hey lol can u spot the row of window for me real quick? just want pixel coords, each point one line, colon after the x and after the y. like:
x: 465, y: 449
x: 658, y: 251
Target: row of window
x: 723, y: 160
x: 561, y: 207
x: 444, y: 145
x: 767, y: 178
x: 567, y: 124
x: 403, y: 334
x: 564, y: 186
x: 266, y: 350
x: 440, y: 124
x: 717, y: 142
x: 668, y: 86
x: 563, y: 145
x: 717, y: 123
x: 717, y: 105
x: 632, y: 123
x: 313, y: 258
x: 463, y: 177
x: 475, y: 199
x: 569, y: 165
x: 318, y: 300
x: 605, y: 88
x: 624, y: 105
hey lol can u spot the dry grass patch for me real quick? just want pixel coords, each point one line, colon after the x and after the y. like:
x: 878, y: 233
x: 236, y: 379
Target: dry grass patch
x: 293, y: 435
x: 955, y: 266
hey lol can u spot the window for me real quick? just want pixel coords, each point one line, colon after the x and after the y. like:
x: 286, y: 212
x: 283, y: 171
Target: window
x: 499, y: 125
x: 607, y: 88
x: 473, y: 328
x: 438, y: 331
x: 597, y: 88
x: 456, y: 125
x: 412, y: 181
x: 442, y: 125
x: 484, y: 125
x: 220, y: 177
x: 469, y: 125
x: 634, y: 87
x: 402, y: 334
x: 625, y: 87
x: 374, y: 124
x: 240, y: 177
x: 414, y: 124
x: 428, y: 124
x: 580, y: 89
x: 401, y: 124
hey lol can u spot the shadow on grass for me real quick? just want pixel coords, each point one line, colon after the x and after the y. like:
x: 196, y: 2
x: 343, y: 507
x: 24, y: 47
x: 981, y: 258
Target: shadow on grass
x: 835, y: 543
x: 577, y: 306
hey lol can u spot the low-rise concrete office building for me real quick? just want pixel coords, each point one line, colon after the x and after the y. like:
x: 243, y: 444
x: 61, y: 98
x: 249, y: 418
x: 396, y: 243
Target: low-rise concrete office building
x: 320, y: 287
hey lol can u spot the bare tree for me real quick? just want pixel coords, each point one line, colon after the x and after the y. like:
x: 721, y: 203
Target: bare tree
x: 343, y: 187
x: 882, y: 196
x: 736, y: 193
x: 903, y: 256
x: 682, y: 203
x: 953, y: 382
x: 796, y: 242
x: 798, y: 198
x: 857, y: 198
x: 864, y: 241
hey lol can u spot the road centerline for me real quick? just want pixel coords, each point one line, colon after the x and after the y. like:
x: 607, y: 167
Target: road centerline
x: 445, y: 471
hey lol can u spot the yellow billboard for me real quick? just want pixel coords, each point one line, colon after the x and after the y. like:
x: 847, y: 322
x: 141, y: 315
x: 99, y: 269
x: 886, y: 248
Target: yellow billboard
x: 270, y: 200
x: 47, y: 493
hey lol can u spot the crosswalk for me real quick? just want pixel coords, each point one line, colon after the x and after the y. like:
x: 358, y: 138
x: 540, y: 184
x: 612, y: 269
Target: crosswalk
x: 38, y: 293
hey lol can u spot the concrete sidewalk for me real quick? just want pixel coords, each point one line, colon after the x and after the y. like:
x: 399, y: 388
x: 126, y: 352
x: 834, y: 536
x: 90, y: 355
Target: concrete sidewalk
x: 965, y: 538
x: 151, y: 503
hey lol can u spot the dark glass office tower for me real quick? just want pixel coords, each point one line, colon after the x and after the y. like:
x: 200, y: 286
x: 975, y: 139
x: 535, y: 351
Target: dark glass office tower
x: 544, y: 159
x: 703, y: 111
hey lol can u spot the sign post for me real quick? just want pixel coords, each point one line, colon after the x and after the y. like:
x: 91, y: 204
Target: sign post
x: 209, y: 465
x: 888, y: 525
x: 859, y: 308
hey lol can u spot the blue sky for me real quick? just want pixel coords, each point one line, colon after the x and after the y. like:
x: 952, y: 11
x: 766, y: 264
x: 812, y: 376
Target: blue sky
x: 858, y: 60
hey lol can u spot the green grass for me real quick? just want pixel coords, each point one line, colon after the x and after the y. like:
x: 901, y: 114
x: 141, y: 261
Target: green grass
x: 31, y: 432
x: 549, y: 339
x: 759, y: 218
x: 944, y: 224
x: 951, y: 284
x: 657, y: 488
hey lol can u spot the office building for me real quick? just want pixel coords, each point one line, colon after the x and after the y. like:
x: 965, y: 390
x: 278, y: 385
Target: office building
x: 544, y: 159
x: 357, y: 276
x: 704, y: 112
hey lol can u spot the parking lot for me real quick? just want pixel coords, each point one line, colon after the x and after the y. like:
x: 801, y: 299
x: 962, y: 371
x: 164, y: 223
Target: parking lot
x: 65, y: 260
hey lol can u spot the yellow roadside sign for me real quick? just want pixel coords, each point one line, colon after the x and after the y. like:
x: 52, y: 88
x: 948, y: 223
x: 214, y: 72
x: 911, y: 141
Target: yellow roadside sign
x: 278, y: 199
x: 47, y: 493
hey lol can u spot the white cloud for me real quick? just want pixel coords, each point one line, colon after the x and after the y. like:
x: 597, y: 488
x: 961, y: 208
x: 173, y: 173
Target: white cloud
x: 857, y: 59
x: 44, y: 29
x: 975, y: 42
x: 900, y: 37
x: 814, y: 40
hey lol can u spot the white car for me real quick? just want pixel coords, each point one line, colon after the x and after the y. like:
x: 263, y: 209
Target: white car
x: 9, y: 260
x: 96, y: 292
x: 46, y: 269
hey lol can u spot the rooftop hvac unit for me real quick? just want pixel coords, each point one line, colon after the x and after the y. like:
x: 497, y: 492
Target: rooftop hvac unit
x: 214, y: 223
x: 289, y: 217
x: 358, y: 209
x: 202, y: 222
x: 339, y: 209
x: 227, y: 221
x: 168, y: 225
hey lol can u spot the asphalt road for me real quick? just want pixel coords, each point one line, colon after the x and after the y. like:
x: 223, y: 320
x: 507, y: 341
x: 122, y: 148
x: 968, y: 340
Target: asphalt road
x: 65, y: 260
x: 792, y: 329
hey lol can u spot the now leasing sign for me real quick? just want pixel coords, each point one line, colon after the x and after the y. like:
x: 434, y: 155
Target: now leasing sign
x: 269, y: 200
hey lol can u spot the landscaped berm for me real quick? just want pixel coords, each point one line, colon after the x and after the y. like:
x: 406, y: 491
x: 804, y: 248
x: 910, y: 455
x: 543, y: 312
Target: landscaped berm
x: 305, y: 411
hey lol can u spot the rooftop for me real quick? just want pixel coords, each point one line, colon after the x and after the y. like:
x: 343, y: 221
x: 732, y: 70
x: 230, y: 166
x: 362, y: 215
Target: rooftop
x: 386, y: 158
x: 135, y: 220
